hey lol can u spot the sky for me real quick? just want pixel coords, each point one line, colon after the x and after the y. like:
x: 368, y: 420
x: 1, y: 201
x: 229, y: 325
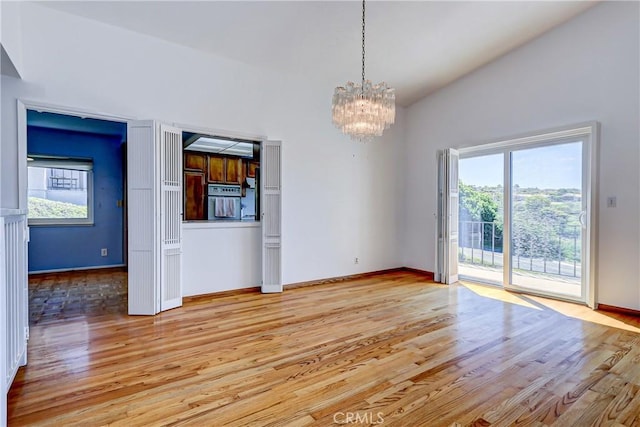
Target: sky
x: 556, y: 166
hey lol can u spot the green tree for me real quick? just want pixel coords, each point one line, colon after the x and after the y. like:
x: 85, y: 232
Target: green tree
x: 539, y: 226
x: 545, y: 221
x: 482, y: 205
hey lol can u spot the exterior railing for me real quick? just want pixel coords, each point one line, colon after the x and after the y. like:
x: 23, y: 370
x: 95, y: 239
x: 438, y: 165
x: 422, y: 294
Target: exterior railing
x: 480, y: 243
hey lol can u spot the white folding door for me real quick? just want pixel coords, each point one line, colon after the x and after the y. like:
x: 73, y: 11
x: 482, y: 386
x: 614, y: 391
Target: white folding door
x: 271, y: 216
x: 154, y: 195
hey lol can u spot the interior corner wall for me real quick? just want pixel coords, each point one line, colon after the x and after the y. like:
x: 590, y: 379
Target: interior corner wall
x: 586, y: 69
x: 9, y: 89
x: 79, y: 246
x: 11, y: 35
x: 340, y: 198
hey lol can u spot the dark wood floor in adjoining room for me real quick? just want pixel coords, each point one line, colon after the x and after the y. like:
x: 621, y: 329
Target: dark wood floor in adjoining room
x: 392, y: 350
x: 58, y: 297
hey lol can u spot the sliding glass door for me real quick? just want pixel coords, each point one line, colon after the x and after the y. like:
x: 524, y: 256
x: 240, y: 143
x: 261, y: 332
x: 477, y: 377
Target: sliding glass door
x: 527, y: 213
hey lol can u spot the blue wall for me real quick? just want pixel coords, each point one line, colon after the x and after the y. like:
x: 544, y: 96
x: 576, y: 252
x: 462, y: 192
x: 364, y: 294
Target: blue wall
x: 69, y: 247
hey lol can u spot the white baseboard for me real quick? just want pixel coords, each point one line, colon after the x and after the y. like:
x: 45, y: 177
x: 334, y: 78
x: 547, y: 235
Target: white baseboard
x: 61, y: 270
x: 271, y: 289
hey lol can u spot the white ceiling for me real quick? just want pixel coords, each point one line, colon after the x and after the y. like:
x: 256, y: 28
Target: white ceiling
x: 416, y: 47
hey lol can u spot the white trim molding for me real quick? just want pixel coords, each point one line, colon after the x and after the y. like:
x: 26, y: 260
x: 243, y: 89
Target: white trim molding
x: 22, y: 106
x: 543, y: 137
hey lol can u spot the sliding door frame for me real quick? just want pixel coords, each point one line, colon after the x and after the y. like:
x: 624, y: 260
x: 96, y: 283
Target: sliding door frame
x: 588, y: 133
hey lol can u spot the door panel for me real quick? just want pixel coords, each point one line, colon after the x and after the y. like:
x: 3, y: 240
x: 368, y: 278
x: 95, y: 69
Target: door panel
x: 481, y: 218
x: 453, y: 203
x: 547, y: 204
x: 170, y: 217
x: 271, y: 216
x: 142, y: 219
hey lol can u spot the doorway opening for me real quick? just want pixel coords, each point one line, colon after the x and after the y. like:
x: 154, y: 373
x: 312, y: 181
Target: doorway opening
x: 75, y: 194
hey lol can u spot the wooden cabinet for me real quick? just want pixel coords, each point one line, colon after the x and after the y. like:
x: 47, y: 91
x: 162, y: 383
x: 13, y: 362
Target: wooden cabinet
x: 195, y: 193
x: 225, y: 170
x: 251, y: 169
x: 216, y: 169
x: 201, y: 169
x: 195, y: 161
x: 195, y: 186
x: 233, y: 172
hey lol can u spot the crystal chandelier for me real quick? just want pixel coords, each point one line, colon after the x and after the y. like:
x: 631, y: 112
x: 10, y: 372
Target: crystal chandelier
x: 365, y: 110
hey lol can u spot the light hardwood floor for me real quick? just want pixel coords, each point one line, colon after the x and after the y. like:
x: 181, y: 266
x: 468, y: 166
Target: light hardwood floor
x: 391, y: 350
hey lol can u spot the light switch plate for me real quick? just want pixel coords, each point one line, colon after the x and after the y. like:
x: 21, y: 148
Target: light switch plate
x: 611, y: 202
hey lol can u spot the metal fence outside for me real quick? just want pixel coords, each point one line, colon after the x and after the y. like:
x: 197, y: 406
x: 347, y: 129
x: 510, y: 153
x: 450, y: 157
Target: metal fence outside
x: 481, y: 244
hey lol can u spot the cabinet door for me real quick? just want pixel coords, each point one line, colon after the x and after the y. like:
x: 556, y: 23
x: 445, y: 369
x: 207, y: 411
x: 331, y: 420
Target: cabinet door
x: 234, y: 171
x: 216, y: 169
x: 195, y: 161
x: 194, y: 195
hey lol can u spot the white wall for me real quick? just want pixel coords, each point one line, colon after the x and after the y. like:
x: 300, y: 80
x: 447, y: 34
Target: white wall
x: 10, y: 37
x: 340, y: 198
x: 221, y: 258
x: 586, y: 69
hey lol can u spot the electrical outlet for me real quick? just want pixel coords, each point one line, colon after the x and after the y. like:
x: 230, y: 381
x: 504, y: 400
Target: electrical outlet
x: 103, y: 252
x: 356, y: 260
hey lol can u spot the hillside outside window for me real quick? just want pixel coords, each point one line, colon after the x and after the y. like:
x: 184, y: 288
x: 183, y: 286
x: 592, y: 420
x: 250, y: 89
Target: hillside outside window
x: 60, y: 191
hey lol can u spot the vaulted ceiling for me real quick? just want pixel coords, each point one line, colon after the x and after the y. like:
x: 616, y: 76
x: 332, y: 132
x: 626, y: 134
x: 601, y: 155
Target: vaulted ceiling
x: 416, y: 47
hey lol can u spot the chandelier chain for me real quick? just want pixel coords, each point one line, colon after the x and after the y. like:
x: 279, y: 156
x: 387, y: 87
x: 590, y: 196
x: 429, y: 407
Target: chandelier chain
x: 363, y: 111
x: 363, y: 21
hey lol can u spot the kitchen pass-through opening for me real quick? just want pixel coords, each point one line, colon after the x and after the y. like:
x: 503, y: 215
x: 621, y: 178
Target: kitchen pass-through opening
x: 221, y: 178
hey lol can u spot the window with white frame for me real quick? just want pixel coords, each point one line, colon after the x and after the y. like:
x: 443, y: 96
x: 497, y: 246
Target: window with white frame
x: 60, y: 190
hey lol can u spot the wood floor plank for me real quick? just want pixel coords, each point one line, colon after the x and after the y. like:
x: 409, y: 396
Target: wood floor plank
x: 394, y: 346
